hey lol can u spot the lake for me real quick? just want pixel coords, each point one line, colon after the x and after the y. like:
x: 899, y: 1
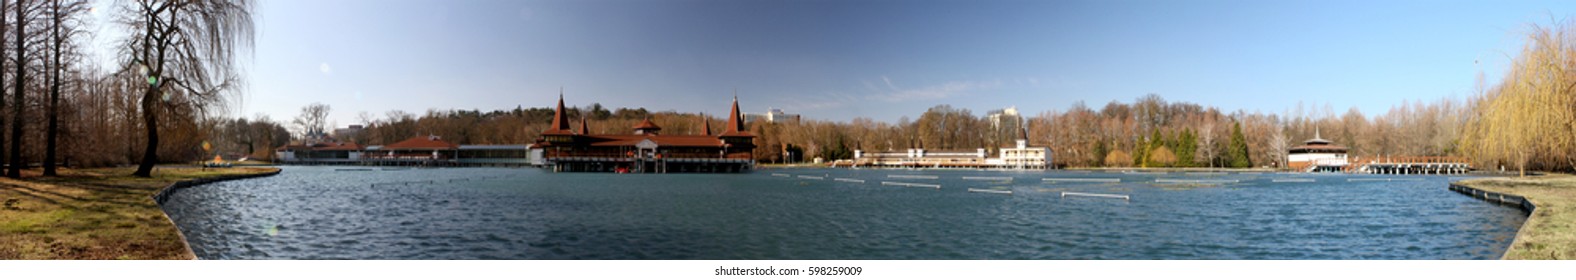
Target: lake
x: 511, y: 213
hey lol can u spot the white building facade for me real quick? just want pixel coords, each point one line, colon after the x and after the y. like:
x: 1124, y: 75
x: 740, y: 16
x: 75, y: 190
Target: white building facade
x: 772, y: 115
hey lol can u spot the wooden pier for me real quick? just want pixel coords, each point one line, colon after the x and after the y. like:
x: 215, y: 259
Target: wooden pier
x: 1407, y: 165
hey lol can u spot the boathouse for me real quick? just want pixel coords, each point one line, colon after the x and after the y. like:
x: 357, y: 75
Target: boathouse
x: 1317, y: 155
x: 646, y: 149
x: 319, y: 153
x: 420, y: 150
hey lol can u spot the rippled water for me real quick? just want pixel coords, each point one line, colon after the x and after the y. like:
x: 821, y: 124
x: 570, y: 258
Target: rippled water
x: 495, y: 213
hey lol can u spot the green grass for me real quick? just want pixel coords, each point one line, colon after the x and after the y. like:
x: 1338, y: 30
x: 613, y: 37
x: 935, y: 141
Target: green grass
x: 1550, y: 232
x: 93, y: 214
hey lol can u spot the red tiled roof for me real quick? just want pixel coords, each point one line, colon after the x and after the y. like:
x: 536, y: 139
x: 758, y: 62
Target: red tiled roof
x: 661, y: 140
x: 735, y: 125
x: 342, y: 146
x: 647, y: 124
x: 705, y: 128
x: 421, y: 143
x: 560, y: 123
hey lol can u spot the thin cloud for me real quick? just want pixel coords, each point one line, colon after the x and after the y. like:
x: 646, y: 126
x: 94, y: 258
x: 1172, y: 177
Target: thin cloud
x: 327, y: 70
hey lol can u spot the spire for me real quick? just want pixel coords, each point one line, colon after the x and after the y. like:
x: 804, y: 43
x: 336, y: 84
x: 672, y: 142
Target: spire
x: 1316, y: 133
x: 583, y: 129
x: 560, y: 122
x: 735, y: 125
x: 1023, y: 133
x: 705, y: 127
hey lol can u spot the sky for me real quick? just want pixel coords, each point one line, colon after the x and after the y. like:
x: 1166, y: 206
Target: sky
x: 883, y: 60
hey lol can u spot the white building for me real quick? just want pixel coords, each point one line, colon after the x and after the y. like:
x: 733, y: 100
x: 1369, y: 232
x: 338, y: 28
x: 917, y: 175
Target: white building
x: 771, y: 115
x: 1005, y: 118
x: 1316, y: 154
x: 1025, y: 157
x: 1020, y: 157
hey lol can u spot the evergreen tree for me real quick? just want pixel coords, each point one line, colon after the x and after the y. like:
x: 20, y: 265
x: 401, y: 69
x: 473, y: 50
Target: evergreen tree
x: 1237, y: 149
x: 1186, y: 145
x: 1099, y: 153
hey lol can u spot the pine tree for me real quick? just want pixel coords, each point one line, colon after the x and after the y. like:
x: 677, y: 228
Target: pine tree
x: 1237, y: 149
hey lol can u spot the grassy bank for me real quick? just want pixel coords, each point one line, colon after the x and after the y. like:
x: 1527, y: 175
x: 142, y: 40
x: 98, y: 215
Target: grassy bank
x: 1550, y: 232
x: 93, y: 214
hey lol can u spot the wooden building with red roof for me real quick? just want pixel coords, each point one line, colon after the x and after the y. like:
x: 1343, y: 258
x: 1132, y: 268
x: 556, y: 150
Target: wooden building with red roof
x: 646, y: 149
x: 320, y: 153
x: 430, y: 147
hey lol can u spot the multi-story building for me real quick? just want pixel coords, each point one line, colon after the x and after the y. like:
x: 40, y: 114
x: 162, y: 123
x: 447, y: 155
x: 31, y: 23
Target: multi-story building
x: 772, y: 115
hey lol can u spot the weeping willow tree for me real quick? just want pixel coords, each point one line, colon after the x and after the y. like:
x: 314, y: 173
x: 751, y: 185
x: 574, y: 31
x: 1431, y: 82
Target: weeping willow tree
x: 185, y: 49
x: 1527, y: 121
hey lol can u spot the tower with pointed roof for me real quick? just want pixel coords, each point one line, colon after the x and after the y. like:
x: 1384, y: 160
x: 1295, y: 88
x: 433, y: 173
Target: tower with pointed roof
x: 705, y: 125
x: 736, y: 139
x: 583, y: 129
x: 559, y: 131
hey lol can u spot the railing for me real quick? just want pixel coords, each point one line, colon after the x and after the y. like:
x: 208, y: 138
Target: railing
x: 1356, y: 163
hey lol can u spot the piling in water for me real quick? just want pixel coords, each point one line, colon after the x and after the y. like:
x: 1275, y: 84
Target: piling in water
x: 1292, y: 180
x: 990, y: 191
x: 1102, y: 180
x: 848, y: 180
x: 911, y: 185
x: 1102, y: 195
x: 988, y: 178
x: 1196, y: 181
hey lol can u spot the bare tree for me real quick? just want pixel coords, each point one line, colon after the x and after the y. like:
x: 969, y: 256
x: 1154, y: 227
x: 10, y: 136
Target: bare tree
x: 1206, y: 143
x: 1278, y: 145
x: 64, y: 24
x: 312, y: 119
x: 18, y: 107
x: 183, y: 47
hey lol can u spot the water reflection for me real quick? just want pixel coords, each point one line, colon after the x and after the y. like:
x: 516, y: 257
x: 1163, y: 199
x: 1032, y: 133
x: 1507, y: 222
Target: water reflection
x: 320, y: 213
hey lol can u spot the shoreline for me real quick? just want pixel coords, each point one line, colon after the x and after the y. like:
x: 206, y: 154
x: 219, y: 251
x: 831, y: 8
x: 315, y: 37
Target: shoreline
x: 1550, y: 203
x: 164, y: 195
x: 99, y: 213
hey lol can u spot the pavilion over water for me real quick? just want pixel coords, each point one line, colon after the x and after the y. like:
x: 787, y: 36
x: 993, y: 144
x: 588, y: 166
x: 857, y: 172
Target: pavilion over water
x: 646, y: 149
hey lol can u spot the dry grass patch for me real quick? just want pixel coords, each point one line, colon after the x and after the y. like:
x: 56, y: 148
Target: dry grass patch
x: 93, y: 214
x: 1550, y: 233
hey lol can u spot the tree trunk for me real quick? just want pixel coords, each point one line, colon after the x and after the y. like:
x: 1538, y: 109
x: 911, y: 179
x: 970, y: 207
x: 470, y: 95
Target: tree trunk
x: 54, y: 96
x: 150, y: 153
x: 17, y: 106
x: 3, y: 5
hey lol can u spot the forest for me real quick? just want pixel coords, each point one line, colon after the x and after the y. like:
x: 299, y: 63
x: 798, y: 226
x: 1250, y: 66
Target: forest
x: 159, y: 99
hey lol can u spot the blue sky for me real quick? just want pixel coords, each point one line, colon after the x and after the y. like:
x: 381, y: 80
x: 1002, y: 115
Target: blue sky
x: 837, y: 60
